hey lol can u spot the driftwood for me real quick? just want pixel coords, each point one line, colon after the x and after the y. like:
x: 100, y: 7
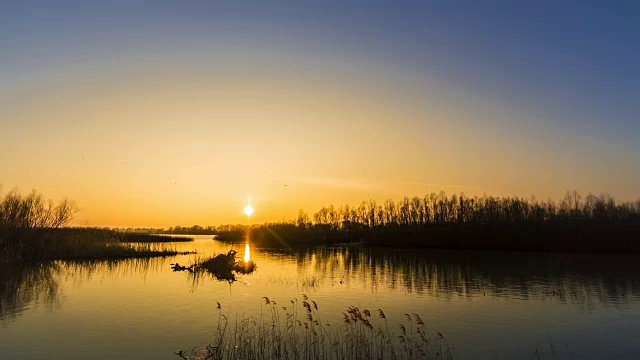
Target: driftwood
x: 178, y: 267
x: 221, y: 266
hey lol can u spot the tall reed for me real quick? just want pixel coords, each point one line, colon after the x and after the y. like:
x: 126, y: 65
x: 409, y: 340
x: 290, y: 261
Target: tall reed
x: 299, y: 331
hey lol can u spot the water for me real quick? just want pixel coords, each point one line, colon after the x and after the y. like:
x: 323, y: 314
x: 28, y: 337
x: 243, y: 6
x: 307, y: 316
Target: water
x: 491, y: 305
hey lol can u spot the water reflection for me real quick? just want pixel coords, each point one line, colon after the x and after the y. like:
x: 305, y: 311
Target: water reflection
x: 247, y: 253
x: 589, y: 280
x: 564, y: 278
x: 80, y: 271
x: 23, y: 285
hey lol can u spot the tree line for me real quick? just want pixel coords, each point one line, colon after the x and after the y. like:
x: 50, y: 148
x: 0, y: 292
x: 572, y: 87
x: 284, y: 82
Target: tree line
x: 575, y: 223
x: 460, y: 209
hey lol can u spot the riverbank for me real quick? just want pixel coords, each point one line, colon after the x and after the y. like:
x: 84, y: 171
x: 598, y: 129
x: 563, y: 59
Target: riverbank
x: 43, y: 244
x: 569, y: 236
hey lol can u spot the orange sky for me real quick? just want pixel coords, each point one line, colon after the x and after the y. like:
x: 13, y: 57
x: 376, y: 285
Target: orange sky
x: 187, y: 143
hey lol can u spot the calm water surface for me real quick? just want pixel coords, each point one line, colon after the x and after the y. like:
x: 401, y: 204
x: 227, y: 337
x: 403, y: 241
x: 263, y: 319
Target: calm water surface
x: 489, y: 305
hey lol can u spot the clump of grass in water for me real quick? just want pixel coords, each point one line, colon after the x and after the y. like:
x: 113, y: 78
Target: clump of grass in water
x: 291, y: 332
x: 145, y: 250
x: 97, y: 250
x: 222, y: 266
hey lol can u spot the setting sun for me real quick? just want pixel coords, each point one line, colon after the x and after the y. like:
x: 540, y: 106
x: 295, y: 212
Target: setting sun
x: 248, y: 210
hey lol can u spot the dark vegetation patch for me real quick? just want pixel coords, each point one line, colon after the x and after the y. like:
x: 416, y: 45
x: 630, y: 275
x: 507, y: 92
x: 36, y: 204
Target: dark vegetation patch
x: 32, y: 229
x: 589, y: 224
x: 221, y: 266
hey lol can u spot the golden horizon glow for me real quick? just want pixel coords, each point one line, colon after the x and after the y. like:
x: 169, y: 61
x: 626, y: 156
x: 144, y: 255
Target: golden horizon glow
x: 157, y: 146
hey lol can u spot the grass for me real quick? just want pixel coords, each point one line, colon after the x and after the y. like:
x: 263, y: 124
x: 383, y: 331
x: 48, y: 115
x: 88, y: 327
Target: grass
x: 298, y: 331
x: 148, y: 238
x: 43, y: 244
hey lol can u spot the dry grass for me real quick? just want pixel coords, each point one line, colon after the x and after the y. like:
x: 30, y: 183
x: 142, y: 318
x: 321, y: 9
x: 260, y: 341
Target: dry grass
x: 151, y: 238
x: 297, y: 331
x: 20, y: 245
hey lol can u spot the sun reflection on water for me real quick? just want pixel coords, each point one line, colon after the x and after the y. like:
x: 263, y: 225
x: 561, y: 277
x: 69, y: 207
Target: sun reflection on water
x: 247, y: 253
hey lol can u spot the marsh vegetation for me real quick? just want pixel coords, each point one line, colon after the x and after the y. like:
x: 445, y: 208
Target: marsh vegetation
x: 33, y: 229
x: 149, y: 238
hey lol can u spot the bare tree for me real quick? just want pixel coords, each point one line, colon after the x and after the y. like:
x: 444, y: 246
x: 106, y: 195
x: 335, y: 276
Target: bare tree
x: 33, y: 211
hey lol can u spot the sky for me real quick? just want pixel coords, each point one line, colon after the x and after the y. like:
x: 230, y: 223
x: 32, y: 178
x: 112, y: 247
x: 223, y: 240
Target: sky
x: 164, y: 113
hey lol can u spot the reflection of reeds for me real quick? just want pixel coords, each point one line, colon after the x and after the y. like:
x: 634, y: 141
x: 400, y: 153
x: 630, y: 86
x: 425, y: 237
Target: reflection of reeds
x: 563, y: 278
x: 310, y: 282
x: 23, y: 284
x: 297, y: 331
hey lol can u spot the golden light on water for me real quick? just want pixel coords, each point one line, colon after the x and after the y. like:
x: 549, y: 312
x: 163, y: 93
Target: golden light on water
x: 248, y: 210
x: 247, y: 253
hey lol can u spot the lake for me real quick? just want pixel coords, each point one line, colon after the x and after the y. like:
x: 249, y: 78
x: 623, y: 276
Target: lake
x: 489, y: 305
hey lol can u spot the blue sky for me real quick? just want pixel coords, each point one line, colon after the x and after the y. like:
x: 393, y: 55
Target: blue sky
x: 572, y: 63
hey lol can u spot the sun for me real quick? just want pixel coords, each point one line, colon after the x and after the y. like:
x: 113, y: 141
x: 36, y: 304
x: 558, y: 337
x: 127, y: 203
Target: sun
x: 248, y: 210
